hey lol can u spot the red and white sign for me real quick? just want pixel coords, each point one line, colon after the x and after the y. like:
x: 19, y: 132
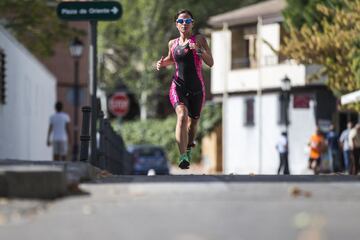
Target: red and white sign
x: 119, y: 104
x: 301, y: 101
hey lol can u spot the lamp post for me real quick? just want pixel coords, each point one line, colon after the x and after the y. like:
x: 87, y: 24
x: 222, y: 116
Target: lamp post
x: 285, y: 99
x: 76, y: 49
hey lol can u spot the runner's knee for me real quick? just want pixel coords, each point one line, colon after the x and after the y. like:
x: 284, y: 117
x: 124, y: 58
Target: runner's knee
x: 182, y: 113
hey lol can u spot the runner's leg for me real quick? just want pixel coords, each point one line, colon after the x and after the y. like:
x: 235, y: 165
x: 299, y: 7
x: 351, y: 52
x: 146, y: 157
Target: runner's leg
x: 192, y: 129
x: 196, y: 102
x: 181, y: 133
x: 180, y: 103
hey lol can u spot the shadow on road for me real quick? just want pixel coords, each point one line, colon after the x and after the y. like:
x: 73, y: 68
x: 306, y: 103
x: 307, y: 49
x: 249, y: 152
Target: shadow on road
x: 228, y: 178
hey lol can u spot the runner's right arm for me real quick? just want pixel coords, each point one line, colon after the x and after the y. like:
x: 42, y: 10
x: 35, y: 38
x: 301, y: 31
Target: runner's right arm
x: 168, y: 60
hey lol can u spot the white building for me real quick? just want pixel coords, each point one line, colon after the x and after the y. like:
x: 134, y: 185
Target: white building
x: 253, y: 119
x: 29, y: 101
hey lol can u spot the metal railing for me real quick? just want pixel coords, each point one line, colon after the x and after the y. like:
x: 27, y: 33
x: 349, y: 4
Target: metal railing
x: 111, y: 152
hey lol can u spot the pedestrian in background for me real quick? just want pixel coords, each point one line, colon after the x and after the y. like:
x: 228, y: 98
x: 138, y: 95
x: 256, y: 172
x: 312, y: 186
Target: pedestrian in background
x: 332, y: 140
x: 345, y: 147
x: 60, y: 131
x: 316, y: 144
x: 282, y: 148
x: 354, y: 141
x: 187, y: 91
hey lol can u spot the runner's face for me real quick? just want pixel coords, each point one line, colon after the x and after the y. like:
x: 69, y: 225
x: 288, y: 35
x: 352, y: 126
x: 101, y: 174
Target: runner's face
x: 184, y: 28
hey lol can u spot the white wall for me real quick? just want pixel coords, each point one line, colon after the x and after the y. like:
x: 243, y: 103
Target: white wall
x: 271, y: 34
x: 302, y: 125
x: 221, y: 51
x: 30, y: 99
x: 247, y: 79
x: 242, y: 141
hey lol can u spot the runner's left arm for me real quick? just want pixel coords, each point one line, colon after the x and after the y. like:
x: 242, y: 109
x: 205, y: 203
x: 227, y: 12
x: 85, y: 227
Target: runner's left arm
x: 205, y: 51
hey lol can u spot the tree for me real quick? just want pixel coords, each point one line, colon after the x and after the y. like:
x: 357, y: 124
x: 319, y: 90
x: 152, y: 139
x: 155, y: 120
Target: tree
x: 133, y: 44
x: 35, y: 24
x: 305, y: 12
x: 333, y: 42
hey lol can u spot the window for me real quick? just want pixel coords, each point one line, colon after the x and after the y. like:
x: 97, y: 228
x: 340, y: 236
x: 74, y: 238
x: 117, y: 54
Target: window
x: 249, y: 112
x: 250, y: 46
x: 243, y: 42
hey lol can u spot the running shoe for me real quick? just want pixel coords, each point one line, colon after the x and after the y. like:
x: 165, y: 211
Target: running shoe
x: 184, y: 162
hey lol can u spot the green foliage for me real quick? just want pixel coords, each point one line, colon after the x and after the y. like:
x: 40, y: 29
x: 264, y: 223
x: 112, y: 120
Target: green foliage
x: 35, y: 24
x: 305, y: 12
x: 151, y: 131
x: 211, y: 116
x: 162, y: 131
x: 333, y: 43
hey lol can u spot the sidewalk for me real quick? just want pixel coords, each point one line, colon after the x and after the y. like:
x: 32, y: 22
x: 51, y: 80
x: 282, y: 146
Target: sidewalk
x: 194, y: 169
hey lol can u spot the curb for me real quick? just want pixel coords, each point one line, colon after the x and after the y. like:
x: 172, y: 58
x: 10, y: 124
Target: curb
x: 41, y: 179
x: 44, y: 182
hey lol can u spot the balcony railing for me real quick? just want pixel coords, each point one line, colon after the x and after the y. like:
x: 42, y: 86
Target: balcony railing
x: 269, y: 60
x: 237, y: 63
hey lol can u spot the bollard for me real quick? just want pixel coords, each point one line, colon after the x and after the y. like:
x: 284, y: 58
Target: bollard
x: 101, y: 152
x: 85, y: 134
x: 107, y: 145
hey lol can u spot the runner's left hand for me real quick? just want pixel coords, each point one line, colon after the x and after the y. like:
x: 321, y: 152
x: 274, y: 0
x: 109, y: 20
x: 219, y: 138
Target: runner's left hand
x: 194, y: 46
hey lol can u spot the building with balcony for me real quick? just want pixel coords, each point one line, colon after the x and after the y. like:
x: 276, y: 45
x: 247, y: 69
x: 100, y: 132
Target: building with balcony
x: 246, y: 77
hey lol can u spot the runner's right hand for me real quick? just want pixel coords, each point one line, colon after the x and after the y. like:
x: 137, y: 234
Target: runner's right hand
x: 158, y: 64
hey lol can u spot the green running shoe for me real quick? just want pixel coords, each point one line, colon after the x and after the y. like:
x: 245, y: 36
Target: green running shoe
x: 184, y: 162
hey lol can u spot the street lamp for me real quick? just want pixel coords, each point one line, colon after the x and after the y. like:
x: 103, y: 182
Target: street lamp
x: 285, y: 84
x: 76, y: 49
x: 285, y: 97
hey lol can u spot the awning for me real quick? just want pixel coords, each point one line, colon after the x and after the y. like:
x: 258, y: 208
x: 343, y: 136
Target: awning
x: 249, y: 14
x: 350, y: 98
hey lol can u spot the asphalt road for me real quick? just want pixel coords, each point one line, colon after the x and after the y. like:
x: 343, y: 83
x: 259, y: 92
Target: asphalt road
x: 193, y: 207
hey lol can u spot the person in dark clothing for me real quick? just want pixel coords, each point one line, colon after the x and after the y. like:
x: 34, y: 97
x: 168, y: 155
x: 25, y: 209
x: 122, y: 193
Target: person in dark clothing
x: 282, y: 148
x: 354, y: 140
x: 332, y: 139
x: 345, y: 146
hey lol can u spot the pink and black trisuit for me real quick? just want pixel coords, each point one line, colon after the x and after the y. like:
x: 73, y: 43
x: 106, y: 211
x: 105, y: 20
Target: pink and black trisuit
x: 187, y: 85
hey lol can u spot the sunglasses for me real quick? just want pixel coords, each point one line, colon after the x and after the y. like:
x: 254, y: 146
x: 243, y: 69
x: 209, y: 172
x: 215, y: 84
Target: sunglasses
x: 187, y: 20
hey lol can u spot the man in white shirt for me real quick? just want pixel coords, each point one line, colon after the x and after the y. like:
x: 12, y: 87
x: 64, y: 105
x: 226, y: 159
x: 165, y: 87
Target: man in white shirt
x: 282, y: 147
x: 60, y: 130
